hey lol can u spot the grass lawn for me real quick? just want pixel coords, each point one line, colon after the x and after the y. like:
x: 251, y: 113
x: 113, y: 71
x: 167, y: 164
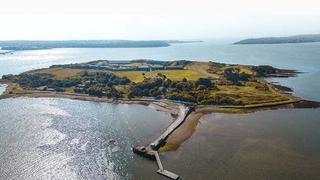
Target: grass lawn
x: 176, y: 75
x: 63, y: 73
x: 202, y: 68
x: 135, y: 76
x: 249, y: 94
x: 60, y: 73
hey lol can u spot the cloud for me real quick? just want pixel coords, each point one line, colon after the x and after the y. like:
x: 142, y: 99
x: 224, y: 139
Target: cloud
x: 165, y: 19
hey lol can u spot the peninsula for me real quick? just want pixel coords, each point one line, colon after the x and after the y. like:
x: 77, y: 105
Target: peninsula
x: 36, y: 45
x: 306, y: 38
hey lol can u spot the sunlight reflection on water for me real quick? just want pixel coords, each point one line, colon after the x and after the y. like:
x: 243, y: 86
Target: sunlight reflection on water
x: 48, y: 138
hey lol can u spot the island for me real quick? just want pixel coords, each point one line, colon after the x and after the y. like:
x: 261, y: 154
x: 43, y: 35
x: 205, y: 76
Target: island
x: 186, y: 90
x: 306, y: 38
x: 37, y: 45
x: 202, y: 87
x: 201, y: 83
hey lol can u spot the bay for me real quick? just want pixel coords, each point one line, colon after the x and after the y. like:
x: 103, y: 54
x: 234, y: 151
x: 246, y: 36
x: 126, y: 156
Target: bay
x: 48, y: 138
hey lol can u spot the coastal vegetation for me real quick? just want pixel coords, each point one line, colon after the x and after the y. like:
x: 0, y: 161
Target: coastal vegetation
x: 34, y: 45
x: 201, y: 83
x: 306, y: 38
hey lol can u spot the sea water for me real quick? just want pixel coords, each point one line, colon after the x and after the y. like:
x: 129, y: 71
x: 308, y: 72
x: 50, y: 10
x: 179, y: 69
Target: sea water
x: 44, y: 138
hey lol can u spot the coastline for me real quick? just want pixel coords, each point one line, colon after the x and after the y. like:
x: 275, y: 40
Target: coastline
x: 164, y: 106
x: 186, y: 130
x: 183, y: 132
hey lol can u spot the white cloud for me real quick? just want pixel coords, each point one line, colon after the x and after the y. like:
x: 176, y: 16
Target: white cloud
x: 149, y: 19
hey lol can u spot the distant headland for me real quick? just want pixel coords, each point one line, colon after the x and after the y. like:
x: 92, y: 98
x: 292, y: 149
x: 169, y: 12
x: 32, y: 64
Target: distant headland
x: 36, y: 45
x: 305, y: 38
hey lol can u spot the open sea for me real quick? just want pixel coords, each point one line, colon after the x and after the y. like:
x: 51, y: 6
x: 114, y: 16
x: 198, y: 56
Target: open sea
x: 50, y: 138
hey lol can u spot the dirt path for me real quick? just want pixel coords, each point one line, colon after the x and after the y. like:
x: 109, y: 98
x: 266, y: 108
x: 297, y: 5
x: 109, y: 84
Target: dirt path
x: 202, y: 68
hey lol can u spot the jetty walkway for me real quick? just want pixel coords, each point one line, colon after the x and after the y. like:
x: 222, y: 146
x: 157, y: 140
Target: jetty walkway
x: 184, y: 112
x: 151, y: 151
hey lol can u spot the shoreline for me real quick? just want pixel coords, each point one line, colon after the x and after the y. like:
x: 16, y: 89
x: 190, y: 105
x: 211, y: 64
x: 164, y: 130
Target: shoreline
x: 159, y: 105
x: 185, y: 130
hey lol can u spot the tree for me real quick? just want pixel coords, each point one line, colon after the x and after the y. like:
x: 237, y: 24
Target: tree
x: 204, y: 82
x: 201, y: 87
x: 184, y: 86
x: 167, y: 83
x: 234, y: 75
x: 96, y: 91
x: 184, y: 79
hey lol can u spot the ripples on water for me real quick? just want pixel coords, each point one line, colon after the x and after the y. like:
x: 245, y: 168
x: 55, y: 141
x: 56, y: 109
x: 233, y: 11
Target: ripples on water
x: 66, y: 139
x: 303, y: 57
x: 277, y: 144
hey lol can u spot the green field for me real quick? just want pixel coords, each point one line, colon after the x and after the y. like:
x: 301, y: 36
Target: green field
x: 175, y: 75
x: 135, y: 76
x: 60, y: 73
x: 248, y: 92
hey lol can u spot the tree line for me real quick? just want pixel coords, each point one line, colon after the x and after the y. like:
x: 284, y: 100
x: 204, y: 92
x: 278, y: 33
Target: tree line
x: 103, y: 84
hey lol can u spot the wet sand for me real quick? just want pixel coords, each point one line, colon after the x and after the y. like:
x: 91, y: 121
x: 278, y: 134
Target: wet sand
x: 281, y: 144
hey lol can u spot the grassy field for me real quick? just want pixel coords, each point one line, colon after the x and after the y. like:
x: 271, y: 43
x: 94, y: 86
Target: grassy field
x: 251, y: 93
x: 176, y: 75
x: 202, y: 68
x: 135, y: 76
x: 60, y: 73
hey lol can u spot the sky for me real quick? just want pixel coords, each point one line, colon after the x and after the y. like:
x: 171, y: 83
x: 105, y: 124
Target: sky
x: 151, y: 19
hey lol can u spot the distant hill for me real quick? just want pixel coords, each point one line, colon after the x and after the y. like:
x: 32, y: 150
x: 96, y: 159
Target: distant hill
x: 279, y: 40
x: 34, y: 45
